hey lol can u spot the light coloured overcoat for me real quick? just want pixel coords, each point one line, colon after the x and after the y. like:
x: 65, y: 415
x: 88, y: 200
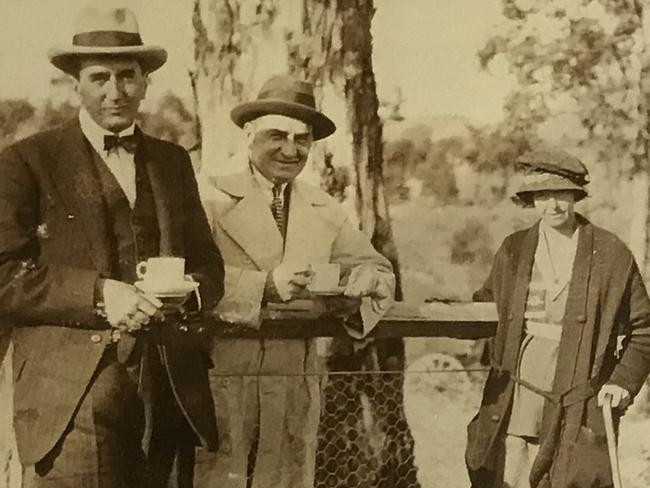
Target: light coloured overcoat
x: 266, y: 389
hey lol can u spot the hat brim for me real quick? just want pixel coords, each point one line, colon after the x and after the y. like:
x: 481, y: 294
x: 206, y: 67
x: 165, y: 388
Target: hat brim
x: 524, y: 196
x: 322, y: 125
x: 67, y: 59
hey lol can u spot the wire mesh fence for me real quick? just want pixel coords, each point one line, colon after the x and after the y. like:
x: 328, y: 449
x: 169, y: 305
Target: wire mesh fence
x: 364, y: 439
x: 397, y: 429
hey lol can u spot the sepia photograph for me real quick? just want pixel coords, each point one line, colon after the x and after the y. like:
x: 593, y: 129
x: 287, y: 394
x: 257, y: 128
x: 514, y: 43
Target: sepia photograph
x: 325, y: 244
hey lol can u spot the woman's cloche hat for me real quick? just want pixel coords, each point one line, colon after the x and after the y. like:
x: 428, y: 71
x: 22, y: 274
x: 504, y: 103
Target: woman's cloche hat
x: 548, y: 170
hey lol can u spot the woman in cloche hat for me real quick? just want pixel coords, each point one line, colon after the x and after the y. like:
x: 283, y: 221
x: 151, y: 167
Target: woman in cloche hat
x: 569, y: 295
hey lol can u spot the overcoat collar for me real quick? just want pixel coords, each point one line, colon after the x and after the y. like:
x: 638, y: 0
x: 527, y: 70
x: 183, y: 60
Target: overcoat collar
x: 80, y: 190
x: 250, y: 223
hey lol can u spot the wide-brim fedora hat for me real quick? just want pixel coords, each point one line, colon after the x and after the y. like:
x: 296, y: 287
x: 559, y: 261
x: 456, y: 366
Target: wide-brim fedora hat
x: 106, y: 32
x: 288, y: 96
x: 550, y: 170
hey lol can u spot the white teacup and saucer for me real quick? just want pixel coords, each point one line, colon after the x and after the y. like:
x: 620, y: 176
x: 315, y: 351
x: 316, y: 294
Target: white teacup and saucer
x: 164, y: 277
x: 325, y: 280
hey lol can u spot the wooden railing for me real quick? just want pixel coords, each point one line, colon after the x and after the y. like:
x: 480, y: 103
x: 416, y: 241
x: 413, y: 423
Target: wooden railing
x: 301, y: 318
x: 305, y: 318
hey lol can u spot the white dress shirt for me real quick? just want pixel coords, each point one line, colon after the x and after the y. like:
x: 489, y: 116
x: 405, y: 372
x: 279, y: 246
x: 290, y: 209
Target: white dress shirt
x: 119, y: 161
x: 282, y: 283
x: 267, y: 186
x: 555, y: 256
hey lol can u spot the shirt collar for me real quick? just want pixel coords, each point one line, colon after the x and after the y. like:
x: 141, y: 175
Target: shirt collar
x: 265, y: 184
x: 556, y: 236
x: 95, y: 133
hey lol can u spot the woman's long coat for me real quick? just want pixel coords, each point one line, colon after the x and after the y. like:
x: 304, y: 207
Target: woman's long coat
x: 607, y: 307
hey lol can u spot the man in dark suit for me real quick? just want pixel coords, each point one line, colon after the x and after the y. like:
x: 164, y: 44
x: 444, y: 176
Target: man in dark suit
x: 80, y: 207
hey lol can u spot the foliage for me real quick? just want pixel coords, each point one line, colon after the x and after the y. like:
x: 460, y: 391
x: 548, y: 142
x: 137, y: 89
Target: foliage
x: 475, y: 167
x: 578, y: 68
x: 171, y: 120
x: 13, y: 113
x: 53, y: 115
x: 471, y: 244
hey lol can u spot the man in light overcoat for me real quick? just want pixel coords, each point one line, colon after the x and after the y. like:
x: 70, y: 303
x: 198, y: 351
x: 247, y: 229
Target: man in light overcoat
x: 272, y: 229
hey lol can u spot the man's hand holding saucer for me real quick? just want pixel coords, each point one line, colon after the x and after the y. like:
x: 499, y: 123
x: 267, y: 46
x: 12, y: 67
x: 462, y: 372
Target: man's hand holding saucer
x: 127, y: 308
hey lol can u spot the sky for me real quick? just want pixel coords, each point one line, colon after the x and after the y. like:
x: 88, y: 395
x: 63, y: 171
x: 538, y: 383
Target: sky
x: 426, y: 47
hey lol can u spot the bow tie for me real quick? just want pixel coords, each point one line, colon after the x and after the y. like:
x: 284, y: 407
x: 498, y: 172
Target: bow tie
x: 129, y: 143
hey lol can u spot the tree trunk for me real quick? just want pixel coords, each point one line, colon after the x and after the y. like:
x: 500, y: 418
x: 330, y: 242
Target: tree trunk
x: 239, y: 44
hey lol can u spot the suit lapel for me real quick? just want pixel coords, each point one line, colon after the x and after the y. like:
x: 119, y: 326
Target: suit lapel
x: 250, y: 222
x: 79, y: 188
x: 162, y: 187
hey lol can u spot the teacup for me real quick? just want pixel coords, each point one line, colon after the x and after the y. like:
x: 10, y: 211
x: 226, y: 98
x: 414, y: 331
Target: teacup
x: 162, y: 273
x: 325, y: 277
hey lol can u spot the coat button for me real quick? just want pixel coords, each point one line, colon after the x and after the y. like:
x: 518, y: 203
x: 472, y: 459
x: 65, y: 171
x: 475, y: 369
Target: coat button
x: 582, y: 318
x: 70, y: 217
x: 511, y: 316
x: 96, y: 338
x: 495, y: 418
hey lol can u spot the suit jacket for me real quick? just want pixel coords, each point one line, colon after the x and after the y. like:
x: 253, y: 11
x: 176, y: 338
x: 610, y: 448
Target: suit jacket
x: 53, y: 250
x: 607, y: 303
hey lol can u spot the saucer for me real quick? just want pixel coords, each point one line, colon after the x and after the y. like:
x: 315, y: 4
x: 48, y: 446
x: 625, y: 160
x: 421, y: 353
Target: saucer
x: 171, y: 291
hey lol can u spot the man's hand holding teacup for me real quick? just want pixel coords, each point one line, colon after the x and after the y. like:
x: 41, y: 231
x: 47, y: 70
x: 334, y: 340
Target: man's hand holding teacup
x: 289, y: 281
x: 126, y: 308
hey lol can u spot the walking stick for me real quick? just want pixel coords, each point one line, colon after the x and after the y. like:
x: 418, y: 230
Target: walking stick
x: 611, y: 441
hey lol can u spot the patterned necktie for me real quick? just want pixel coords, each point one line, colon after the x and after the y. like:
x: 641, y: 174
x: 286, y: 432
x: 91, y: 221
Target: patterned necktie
x: 129, y: 143
x: 277, y: 208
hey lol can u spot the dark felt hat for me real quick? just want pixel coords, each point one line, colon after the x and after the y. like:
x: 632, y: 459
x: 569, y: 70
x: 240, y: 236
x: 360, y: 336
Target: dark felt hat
x: 550, y: 169
x: 106, y: 32
x: 285, y: 95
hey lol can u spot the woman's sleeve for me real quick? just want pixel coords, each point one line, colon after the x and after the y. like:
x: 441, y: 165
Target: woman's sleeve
x: 633, y: 366
x: 487, y: 292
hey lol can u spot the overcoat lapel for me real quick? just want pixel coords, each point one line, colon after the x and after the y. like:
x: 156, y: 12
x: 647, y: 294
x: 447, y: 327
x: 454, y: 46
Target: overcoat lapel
x: 306, y: 240
x: 250, y: 222
x: 79, y: 188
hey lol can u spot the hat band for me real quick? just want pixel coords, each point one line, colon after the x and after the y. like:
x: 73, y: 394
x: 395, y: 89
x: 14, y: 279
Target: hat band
x: 107, y: 39
x: 290, y: 96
